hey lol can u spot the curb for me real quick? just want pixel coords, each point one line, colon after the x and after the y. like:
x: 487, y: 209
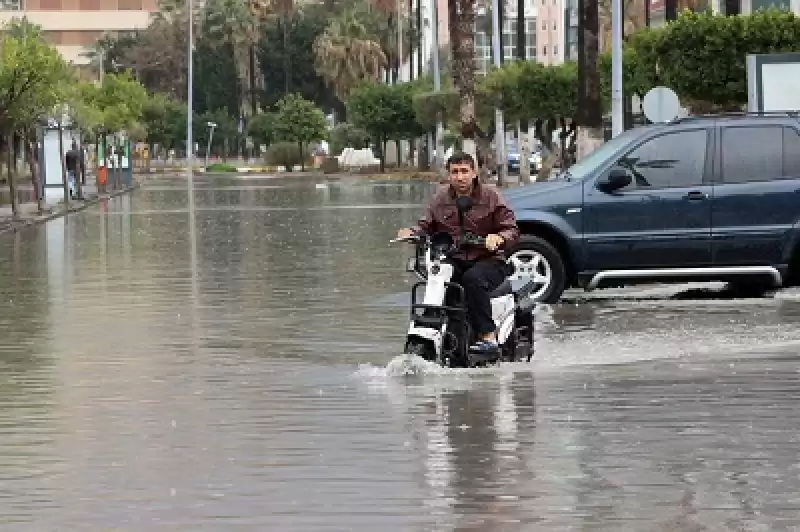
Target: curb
x: 17, y: 225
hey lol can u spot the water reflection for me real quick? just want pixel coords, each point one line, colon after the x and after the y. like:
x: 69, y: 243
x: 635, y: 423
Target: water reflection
x: 238, y: 379
x: 659, y: 446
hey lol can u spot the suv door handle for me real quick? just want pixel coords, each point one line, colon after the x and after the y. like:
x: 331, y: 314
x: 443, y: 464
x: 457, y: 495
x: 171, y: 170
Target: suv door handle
x: 696, y: 195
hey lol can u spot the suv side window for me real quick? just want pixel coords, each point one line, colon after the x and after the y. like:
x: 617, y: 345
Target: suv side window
x: 791, y: 153
x: 752, y: 153
x: 676, y: 159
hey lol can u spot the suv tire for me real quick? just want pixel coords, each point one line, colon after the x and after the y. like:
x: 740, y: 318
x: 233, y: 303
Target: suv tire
x: 536, y: 258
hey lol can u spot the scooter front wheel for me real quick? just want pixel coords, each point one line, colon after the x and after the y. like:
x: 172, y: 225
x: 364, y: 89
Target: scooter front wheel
x: 420, y: 349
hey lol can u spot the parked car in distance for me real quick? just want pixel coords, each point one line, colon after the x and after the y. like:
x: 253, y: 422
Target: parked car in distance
x: 513, y: 158
x: 697, y: 199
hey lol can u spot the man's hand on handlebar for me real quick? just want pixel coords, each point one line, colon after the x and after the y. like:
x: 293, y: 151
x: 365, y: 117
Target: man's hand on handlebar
x: 493, y: 242
x: 405, y: 232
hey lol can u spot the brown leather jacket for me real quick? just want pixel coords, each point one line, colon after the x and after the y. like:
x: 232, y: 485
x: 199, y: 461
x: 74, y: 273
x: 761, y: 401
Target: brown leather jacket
x: 489, y: 215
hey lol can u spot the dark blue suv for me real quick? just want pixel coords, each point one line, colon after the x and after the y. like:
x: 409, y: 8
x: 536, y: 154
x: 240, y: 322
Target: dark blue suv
x: 698, y: 199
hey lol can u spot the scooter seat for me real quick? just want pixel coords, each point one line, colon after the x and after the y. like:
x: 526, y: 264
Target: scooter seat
x: 504, y: 289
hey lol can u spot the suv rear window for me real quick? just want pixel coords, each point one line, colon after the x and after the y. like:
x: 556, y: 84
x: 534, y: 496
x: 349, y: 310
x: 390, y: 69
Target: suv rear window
x: 791, y: 153
x: 759, y: 153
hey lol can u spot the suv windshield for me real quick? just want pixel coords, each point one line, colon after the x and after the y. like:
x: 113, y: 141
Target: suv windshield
x: 586, y: 166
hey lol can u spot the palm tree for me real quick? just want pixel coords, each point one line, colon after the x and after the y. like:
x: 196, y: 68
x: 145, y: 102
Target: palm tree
x: 265, y: 10
x: 461, y: 15
x: 347, y: 52
x: 235, y: 21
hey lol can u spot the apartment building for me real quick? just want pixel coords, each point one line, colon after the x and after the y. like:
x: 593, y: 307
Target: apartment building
x: 550, y: 33
x: 73, y: 26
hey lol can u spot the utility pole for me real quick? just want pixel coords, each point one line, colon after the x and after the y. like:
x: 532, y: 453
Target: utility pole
x: 523, y: 141
x: 398, y: 145
x: 189, y: 101
x: 617, y: 105
x: 499, y: 125
x: 437, y: 86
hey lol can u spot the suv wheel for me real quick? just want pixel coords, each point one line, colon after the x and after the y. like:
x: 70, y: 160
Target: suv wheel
x: 536, y: 261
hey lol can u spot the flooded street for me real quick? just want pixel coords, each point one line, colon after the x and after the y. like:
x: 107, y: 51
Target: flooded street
x: 249, y: 383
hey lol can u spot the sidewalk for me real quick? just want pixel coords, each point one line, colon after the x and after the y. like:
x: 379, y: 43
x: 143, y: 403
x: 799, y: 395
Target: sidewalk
x: 54, y: 207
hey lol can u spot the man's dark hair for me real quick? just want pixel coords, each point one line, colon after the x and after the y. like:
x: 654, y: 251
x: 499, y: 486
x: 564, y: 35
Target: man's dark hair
x: 461, y: 157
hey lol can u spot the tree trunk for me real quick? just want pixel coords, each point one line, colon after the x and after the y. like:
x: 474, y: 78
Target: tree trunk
x: 285, y: 50
x: 81, y: 169
x: 31, y: 156
x: 484, y: 150
x: 462, y: 20
x: 12, y: 186
x: 382, y: 158
x: 543, y: 131
x: 590, y: 113
x: 302, y: 157
x: 253, y: 88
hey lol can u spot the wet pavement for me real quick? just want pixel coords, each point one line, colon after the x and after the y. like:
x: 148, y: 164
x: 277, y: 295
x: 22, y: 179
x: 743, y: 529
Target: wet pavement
x: 249, y: 382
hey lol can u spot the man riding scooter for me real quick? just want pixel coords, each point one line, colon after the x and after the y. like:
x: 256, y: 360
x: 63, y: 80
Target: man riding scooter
x: 479, y: 269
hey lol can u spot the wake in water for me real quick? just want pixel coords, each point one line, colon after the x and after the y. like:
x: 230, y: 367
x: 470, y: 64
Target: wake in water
x: 406, y: 365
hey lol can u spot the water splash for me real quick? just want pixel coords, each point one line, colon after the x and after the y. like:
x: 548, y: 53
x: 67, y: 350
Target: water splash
x: 413, y: 366
x: 404, y: 365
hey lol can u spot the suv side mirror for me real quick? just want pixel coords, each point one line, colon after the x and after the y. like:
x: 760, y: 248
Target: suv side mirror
x: 616, y: 179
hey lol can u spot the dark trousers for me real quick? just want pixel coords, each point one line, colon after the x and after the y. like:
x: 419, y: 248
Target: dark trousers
x: 479, y: 279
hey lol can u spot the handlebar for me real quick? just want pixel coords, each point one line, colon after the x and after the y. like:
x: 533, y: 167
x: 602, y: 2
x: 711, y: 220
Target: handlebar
x: 468, y: 239
x: 412, y: 238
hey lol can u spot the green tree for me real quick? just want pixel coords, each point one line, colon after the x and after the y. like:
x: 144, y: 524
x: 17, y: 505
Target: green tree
x: 165, y: 122
x: 300, y: 121
x: 32, y: 75
x: 120, y: 100
x: 216, y: 81
x: 286, y: 57
x: 262, y: 128
x: 346, y: 135
x: 349, y: 50
x: 119, y: 103
x: 702, y: 56
x: 385, y: 112
x: 226, y: 135
x: 159, y: 54
x: 234, y: 23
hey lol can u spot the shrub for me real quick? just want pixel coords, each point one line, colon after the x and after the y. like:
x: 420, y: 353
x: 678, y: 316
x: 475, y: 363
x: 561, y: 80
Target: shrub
x: 221, y: 167
x: 286, y: 154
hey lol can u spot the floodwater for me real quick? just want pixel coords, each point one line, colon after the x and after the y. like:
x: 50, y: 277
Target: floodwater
x: 250, y: 382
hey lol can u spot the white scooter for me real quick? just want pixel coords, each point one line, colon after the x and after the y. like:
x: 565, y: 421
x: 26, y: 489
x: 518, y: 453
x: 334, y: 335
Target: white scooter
x: 440, y: 329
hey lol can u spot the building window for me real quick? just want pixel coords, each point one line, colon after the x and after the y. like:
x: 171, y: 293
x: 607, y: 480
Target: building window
x: 554, y: 25
x: 544, y: 50
x: 555, y: 48
x: 530, y: 38
x: 510, y: 38
x: 11, y: 5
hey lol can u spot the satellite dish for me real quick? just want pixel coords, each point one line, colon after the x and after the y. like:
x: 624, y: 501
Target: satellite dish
x: 661, y: 104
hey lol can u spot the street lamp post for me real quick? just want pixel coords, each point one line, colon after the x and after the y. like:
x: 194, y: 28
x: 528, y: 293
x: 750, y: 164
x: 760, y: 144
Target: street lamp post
x: 211, y: 126
x: 189, y: 101
x: 500, y: 129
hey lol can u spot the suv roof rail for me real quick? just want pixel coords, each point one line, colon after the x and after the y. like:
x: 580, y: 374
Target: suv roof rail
x: 735, y: 114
